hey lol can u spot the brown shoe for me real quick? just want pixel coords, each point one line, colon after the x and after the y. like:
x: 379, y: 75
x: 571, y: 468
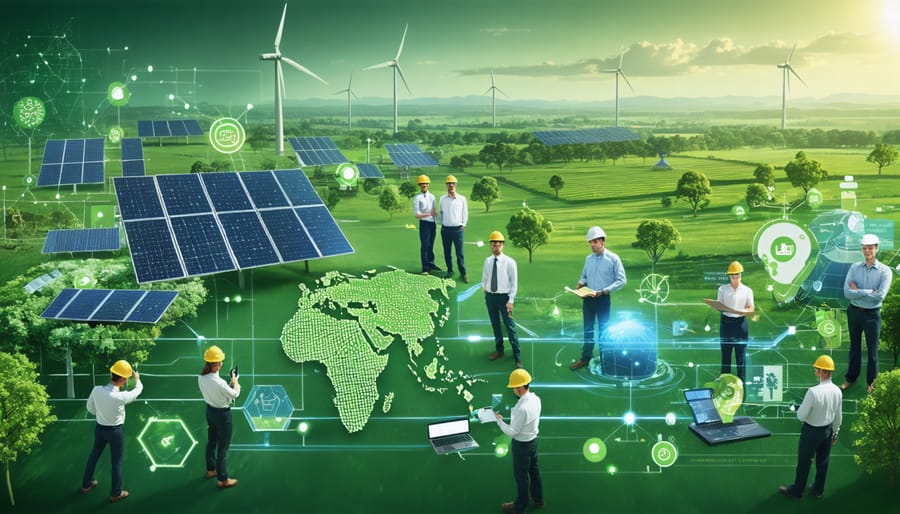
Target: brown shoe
x: 539, y: 505
x: 116, y: 499
x: 578, y: 364
x: 85, y: 490
x: 224, y: 484
x: 846, y: 385
x: 508, y: 507
x: 210, y: 474
x: 465, y: 279
x: 494, y: 356
x: 870, y: 388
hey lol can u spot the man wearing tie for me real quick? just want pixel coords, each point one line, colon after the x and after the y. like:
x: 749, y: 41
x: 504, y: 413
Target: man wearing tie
x: 499, y: 280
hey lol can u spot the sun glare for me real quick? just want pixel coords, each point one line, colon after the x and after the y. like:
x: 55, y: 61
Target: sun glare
x: 892, y: 19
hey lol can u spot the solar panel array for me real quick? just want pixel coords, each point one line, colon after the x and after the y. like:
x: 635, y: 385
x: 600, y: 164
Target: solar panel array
x: 597, y: 135
x: 197, y: 224
x: 409, y: 155
x: 110, y: 305
x: 168, y: 128
x: 132, y: 157
x: 72, y: 161
x: 367, y: 170
x: 82, y: 240
x: 316, y: 151
x: 39, y: 283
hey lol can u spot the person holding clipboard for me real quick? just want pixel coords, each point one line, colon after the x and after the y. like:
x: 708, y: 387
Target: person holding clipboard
x: 735, y: 301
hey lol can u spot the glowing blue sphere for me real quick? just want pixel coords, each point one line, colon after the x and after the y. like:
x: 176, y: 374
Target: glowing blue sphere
x: 628, y: 349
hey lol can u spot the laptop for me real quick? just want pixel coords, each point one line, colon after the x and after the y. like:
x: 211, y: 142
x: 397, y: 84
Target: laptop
x: 451, y: 436
x: 708, y: 425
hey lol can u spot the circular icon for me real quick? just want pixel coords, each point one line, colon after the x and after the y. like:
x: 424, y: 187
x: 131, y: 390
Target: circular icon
x: 84, y: 280
x: 346, y: 175
x: 739, y: 211
x: 29, y: 112
x: 226, y: 135
x: 664, y: 454
x: 28, y: 180
x: 827, y: 328
x: 814, y: 198
x: 118, y: 95
x: 783, y: 249
x: 116, y: 134
x: 594, y: 449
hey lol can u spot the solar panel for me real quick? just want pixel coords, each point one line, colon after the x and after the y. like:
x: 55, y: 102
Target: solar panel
x: 193, y: 128
x: 132, y: 157
x: 82, y: 240
x: 316, y: 151
x: 111, y: 305
x: 39, y: 283
x: 196, y: 224
x: 72, y: 161
x: 367, y: 170
x: 145, y: 128
x: 177, y: 128
x: 409, y: 155
x: 169, y: 128
x: 161, y: 129
x: 596, y: 135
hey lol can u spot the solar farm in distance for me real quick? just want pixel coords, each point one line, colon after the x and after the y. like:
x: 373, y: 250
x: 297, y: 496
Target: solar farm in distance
x: 169, y: 128
x: 597, y: 135
x: 409, y: 155
x: 184, y: 225
x: 72, y: 161
x: 82, y: 240
x: 132, y: 157
x: 368, y: 170
x: 316, y: 151
x: 110, y: 305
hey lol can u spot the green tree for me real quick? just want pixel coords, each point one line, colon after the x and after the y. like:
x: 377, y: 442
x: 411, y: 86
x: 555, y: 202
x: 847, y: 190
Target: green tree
x: 693, y: 187
x: 528, y: 229
x: 389, y: 200
x: 497, y: 153
x: 765, y: 174
x: 655, y: 237
x: 330, y: 196
x: 757, y: 194
x: 408, y: 189
x: 373, y: 186
x: 890, y: 324
x: 24, y: 411
x: 557, y: 183
x: 878, y: 424
x: 486, y: 190
x: 882, y: 156
x: 805, y: 173
x: 460, y: 162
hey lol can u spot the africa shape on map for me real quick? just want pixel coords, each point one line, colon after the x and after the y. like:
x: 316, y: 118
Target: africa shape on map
x: 348, y: 323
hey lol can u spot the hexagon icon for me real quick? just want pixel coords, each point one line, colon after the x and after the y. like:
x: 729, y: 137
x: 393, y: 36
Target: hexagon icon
x: 268, y: 408
x: 167, y: 443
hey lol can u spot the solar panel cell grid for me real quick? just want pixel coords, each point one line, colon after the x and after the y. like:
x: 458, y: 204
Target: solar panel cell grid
x: 153, y: 251
x: 152, y: 306
x: 291, y: 240
x: 177, y: 128
x: 161, y: 129
x: 82, y: 240
x: 193, y: 127
x: 138, y: 198
x: 298, y: 188
x: 145, y: 128
x: 203, y: 248
x: 226, y: 192
x: 117, y: 305
x: 182, y: 194
x: 84, y: 305
x: 133, y: 168
x: 264, y: 190
x: 322, y: 228
x: 59, y: 303
x: 249, y: 241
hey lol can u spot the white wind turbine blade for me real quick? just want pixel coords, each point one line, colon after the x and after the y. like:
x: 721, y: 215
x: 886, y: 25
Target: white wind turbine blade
x: 280, y: 29
x: 790, y: 54
x: 385, y: 64
x: 402, y: 40
x: 622, y: 73
x: 791, y: 69
x: 300, y: 67
x: 400, y: 71
x: 501, y: 91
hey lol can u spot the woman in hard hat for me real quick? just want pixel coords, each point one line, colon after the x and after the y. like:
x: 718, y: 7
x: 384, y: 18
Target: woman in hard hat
x: 524, y: 419
x: 218, y: 396
x: 454, y: 218
x: 821, y: 415
x: 733, y: 330
x: 108, y: 403
x: 424, y: 211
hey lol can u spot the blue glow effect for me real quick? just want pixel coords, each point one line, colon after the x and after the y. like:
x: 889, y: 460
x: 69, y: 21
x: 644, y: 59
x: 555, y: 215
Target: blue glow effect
x: 465, y: 295
x: 629, y: 418
x: 629, y: 347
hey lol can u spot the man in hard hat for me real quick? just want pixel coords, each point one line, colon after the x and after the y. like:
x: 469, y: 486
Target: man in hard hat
x: 499, y: 281
x: 866, y: 285
x: 733, y: 330
x: 424, y: 211
x: 820, y: 413
x: 108, y: 403
x: 218, y: 396
x: 454, y: 218
x: 524, y: 419
x: 604, y: 274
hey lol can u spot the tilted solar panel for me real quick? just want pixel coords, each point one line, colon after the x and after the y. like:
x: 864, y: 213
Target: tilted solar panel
x: 316, y: 151
x: 409, y: 155
x: 193, y: 128
x: 367, y: 170
x: 182, y: 194
x: 264, y: 190
x: 82, y: 240
x: 202, y: 245
x: 161, y: 129
x: 72, y: 161
x: 110, y: 305
x: 145, y: 128
x: 288, y: 234
x: 579, y: 136
x: 177, y: 128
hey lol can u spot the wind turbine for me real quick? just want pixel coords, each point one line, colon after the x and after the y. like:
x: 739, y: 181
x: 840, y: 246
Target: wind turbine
x: 279, y: 82
x: 395, y: 63
x: 493, y: 91
x: 618, y: 71
x: 787, y: 69
x: 349, y: 92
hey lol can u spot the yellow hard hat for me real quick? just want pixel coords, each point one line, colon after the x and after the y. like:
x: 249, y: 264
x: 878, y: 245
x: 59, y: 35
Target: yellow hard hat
x: 423, y: 179
x: 449, y: 179
x: 519, y: 378
x: 734, y: 268
x: 496, y: 236
x: 824, y: 362
x: 122, y: 368
x: 213, y: 354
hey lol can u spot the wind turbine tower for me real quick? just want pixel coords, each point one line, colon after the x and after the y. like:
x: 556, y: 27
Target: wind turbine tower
x: 618, y: 71
x: 786, y: 70
x: 493, y: 91
x: 395, y: 63
x: 349, y: 92
x: 279, y: 82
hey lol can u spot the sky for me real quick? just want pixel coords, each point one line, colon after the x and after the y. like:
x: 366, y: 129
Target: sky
x: 536, y: 49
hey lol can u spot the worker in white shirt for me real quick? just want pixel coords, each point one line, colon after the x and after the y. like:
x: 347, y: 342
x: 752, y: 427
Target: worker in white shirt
x: 219, y: 396
x: 524, y: 419
x: 454, y: 217
x: 499, y: 280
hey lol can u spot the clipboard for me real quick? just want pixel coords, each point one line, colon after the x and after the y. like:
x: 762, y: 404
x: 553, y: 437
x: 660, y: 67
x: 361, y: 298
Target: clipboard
x: 719, y: 306
x: 486, y: 415
x: 583, y: 292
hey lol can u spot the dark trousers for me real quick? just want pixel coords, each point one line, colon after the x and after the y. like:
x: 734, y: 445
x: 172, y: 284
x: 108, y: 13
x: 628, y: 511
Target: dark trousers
x: 526, y: 473
x: 734, y: 335
x: 861, y: 322
x: 814, y: 442
x: 594, y: 310
x: 427, y: 233
x: 219, y: 439
x: 453, y: 236
x: 115, y: 438
x: 496, y: 307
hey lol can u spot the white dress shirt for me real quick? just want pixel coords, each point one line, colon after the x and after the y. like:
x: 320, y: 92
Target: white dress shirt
x: 454, y: 211
x: 424, y: 203
x: 523, y: 418
x: 216, y: 392
x: 108, y: 403
x: 507, y: 276
x: 822, y: 406
x: 739, y: 299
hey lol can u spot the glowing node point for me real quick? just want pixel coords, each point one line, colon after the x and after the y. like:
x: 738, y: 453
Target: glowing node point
x: 473, y: 339
x: 690, y: 364
x: 670, y: 419
x: 791, y: 330
x: 707, y: 328
x: 629, y: 418
x: 594, y: 450
x: 611, y: 470
x: 303, y: 427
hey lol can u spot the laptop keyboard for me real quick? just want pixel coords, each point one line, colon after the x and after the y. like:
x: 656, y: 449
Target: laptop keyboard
x: 453, y: 439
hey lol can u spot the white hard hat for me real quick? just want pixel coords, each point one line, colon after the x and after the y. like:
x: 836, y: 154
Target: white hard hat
x: 594, y: 233
x: 869, y: 239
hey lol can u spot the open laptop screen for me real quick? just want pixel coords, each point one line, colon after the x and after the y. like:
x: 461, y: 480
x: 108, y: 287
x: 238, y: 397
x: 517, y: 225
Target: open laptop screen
x: 445, y: 428
x: 702, y: 407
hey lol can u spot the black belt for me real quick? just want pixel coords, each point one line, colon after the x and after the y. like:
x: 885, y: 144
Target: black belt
x: 863, y: 309
x: 448, y: 226
x: 208, y: 406
x: 496, y: 294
